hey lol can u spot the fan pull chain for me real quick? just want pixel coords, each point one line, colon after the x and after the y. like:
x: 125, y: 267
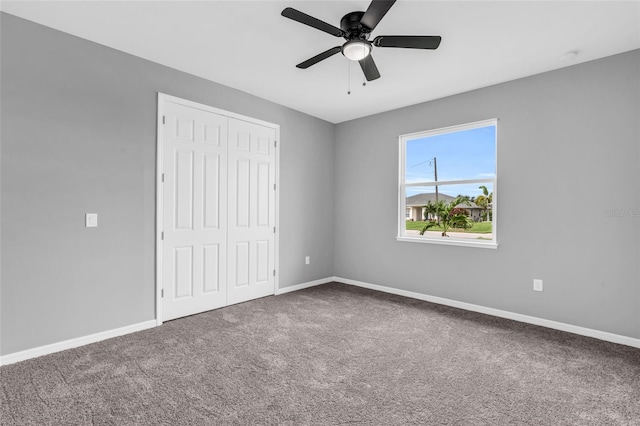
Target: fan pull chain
x: 364, y: 80
x: 348, y: 77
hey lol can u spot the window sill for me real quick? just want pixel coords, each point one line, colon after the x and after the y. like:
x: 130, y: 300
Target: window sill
x: 449, y: 242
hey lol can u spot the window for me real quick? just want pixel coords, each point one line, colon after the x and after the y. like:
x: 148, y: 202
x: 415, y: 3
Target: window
x: 447, y: 185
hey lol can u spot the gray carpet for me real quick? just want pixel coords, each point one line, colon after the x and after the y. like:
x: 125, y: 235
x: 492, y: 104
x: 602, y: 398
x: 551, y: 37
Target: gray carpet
x: 330, y: 355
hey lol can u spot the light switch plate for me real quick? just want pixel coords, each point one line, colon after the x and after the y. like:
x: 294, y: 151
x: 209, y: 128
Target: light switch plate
x: 537, y: 285
x: 91, y: 220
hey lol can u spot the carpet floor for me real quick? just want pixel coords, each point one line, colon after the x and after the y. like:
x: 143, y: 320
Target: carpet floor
x: 330, y: 355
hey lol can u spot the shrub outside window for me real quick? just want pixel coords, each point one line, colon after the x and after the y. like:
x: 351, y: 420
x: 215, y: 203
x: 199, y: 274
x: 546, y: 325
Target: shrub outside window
x: 447, y: 185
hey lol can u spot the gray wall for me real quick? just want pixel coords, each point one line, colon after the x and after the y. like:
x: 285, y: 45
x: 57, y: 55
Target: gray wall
x: 568, y: 151
x: 79, y: 135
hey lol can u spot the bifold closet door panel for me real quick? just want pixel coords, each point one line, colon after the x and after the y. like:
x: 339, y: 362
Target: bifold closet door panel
x: 195, y: 211
x: 251, y: 236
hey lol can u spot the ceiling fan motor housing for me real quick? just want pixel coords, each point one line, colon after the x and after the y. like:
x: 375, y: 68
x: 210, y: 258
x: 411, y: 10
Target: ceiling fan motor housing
x: 350, y: 23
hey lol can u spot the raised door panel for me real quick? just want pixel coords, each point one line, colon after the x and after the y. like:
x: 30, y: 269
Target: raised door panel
x: 183, y: 177
x: 211, y: 278
x: 182, y: 272
x: 242, y: 192
x: 211, y: 191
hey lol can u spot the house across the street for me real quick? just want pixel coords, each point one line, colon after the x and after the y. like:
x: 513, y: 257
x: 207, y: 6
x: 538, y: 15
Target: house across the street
x: 415, y: 206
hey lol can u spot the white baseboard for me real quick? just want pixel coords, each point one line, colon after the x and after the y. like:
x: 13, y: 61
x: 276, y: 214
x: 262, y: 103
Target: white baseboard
x: 85, y: 340
x: 74, y: 343
x: 97, y: 337
x: 303, y: 286
x: 601, y: 335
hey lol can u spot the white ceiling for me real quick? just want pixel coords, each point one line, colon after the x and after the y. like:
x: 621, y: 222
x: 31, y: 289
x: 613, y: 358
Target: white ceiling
x: 249, y: 46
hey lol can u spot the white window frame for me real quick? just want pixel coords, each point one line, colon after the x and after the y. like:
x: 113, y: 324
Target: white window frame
x: 402, y: 186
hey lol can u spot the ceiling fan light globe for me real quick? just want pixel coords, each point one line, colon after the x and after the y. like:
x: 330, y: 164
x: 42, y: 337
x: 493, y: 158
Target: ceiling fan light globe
x: 356, y: 50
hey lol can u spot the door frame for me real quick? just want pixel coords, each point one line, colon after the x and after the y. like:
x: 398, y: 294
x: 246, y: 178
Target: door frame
x: 162, y: 98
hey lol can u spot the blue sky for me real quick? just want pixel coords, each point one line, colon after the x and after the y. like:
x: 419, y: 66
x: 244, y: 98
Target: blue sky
x: 468, y: 154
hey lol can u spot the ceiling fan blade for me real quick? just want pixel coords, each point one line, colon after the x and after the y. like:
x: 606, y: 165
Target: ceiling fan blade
x: 303, y: 18
x: 410, y: 42
x: 369, y: 68
x: 322, y: 56
x: 376, y: 11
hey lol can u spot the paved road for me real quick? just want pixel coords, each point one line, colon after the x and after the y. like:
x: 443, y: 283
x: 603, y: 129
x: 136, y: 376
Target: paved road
x: 466, y: 235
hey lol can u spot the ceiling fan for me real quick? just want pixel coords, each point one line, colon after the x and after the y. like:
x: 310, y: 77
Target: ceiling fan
x: 356, y: 28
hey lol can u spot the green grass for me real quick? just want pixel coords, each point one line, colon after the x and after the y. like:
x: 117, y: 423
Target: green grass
x: 478, y: 227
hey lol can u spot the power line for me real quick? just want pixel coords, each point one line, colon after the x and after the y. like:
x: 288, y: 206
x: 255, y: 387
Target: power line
x: 421, y: 163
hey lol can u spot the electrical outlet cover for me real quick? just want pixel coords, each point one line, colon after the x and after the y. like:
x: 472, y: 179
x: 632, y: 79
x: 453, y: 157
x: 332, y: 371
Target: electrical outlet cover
x: 91, y: 220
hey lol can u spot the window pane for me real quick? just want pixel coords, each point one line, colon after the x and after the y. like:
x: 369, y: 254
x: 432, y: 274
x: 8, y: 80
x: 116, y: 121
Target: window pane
x: 467, y: 220
x: 457, y: 155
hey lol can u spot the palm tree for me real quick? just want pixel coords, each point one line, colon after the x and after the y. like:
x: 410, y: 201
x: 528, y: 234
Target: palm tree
x: 450, y: 216
x: 484, y: 201
x: 430, y: 210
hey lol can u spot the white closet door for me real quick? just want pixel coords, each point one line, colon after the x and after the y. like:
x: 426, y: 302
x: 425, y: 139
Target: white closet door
x: 194, y: 212
x: 251, y: 236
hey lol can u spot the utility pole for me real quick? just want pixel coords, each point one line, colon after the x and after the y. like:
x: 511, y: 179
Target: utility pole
x: 435, y: 175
